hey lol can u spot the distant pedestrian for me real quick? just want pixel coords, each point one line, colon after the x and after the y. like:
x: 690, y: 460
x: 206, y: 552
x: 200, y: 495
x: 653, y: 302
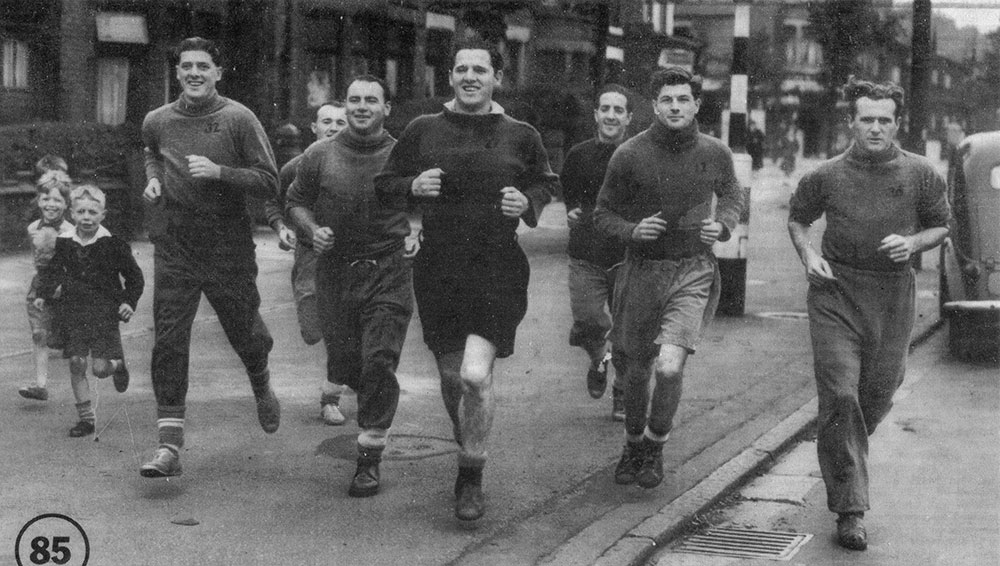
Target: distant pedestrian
x: 476, y: 173
x: 364, y: 282
x: 100, y: 284
x: 52, y: 197
x: 788, y: 151
x: 755, y: 146
x: 593, y: 257
x: 205, y: 154
x: 657, y: 199
x: 331, y: 118
x: 883, y: 206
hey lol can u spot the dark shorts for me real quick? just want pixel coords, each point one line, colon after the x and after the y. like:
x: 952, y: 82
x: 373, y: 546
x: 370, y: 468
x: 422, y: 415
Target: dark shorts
x: 462, y: 292
x: 92, y: 332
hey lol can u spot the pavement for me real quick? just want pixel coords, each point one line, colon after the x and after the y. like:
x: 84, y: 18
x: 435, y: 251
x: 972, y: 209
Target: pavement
x: 735, y: 423
x: 935, y: 470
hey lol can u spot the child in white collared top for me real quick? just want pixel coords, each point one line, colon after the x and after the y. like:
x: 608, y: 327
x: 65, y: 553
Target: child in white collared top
x: 91, y: 265
x: 53, y: 189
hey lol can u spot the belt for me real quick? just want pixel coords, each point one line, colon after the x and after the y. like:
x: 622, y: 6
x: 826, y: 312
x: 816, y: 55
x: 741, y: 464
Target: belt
x: 660, y: 255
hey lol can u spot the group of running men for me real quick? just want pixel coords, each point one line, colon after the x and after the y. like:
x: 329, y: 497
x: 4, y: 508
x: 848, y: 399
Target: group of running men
x: 643, y: 212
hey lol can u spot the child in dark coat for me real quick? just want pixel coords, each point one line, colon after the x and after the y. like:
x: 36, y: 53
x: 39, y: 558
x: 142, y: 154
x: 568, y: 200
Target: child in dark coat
x: 90, y: 264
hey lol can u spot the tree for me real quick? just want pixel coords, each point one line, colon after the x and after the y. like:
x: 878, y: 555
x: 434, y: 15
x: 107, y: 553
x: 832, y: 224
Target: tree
x: 846, y: 29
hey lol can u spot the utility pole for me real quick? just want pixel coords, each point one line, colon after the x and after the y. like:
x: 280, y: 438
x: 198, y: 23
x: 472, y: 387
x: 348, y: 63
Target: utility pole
x: 732, y: 254
x: 920, y: 56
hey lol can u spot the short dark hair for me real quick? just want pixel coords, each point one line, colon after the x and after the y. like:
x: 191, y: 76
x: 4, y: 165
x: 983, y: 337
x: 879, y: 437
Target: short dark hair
x: 616, y: 88
x: 199, y: 44
x: 366, y: 78
x: 496, y: 58
x: 673, y: 75
x: 856, y: 88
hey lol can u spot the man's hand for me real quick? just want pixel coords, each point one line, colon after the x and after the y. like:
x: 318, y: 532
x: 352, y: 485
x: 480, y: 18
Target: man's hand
x: 125, y: 312
x: 513, y: 203
x: 323, y: 238
x: 573, y: 216
x: 898, y: 248
x: 818, y: 271
x: 286, y: 237
x: 710, y: 231
x: 152, y: 191
x: 649, y: 229
x: 427, y: 184
x: 203, y: 168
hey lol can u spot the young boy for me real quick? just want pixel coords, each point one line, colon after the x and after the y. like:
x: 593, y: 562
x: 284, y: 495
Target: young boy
x: 53, y: 197
x: 90, y: 265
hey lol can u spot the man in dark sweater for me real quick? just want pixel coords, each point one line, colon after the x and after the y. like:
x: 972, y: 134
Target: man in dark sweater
x: 883, y: 207
x: 657, y: 199
x: 204, y: 155
x: 331, y: 118
x: 363, y: 277
x: 593, y: 256
x: 476, y: 173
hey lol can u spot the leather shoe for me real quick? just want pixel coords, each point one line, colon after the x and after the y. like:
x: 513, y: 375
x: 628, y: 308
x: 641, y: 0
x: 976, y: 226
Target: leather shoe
x: 366, y: 478
x: 851, y: 532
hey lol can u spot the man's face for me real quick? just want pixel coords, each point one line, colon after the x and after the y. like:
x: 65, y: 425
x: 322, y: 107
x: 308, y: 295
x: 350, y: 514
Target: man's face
x: 329, y: 120
x: 612, y: 116
x: 366, y: 107
x: 87, y: 215
x: 874, y: 124
x: 675, y: 106
x: 473, y: 79
x: 198, y: 73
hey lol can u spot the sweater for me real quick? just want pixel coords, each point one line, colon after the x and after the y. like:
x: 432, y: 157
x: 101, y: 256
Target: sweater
x: 91, y: 274
x: 674, y: 174
x: 42, y: 238
x: 228, y: 134
x: 582, y: 176
x: 334, y: 182
x: 479, y: 154
x: 865, y: 198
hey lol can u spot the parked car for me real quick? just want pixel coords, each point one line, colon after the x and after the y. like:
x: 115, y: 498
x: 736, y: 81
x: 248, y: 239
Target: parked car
x: 970, y: 257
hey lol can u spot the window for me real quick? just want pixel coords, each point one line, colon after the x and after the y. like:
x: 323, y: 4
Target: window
x: 15, y: 64
x: 947, y: 81
x: 112, y: 90
x: 934, y: 77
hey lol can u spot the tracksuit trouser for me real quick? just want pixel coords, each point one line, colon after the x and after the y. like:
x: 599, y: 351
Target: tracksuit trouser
x: 364, y: 309
x: 222, y: 265
x: 860, y: 326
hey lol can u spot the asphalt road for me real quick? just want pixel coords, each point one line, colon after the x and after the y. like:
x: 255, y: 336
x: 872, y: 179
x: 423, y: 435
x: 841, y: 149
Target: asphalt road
x: 251, y: 498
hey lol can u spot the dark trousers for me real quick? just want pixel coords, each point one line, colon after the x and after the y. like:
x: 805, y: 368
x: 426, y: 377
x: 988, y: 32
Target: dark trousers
x: 364, y: 309
x: 218, y: 261
x: 860, y: 327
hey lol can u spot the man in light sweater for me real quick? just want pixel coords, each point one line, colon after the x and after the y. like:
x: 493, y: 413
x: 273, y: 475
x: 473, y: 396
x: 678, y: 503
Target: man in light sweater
x: 883, y: 207
x: 331, y: 118
x: 363, y: 276
x: 657, y: 199
x: 205, y: 154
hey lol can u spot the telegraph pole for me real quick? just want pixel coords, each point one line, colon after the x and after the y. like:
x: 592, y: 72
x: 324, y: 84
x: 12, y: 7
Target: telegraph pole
x: 920, y: 55
x: 732, y: 254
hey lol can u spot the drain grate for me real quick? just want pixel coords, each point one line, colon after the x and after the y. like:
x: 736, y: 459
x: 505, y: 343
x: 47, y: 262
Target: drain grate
x: 743, y: 543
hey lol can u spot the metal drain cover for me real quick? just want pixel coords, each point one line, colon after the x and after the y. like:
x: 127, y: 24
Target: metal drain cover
x: 744, y: 543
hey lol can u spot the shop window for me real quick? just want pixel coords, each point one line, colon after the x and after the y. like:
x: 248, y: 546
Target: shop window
x: 15, y: 64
